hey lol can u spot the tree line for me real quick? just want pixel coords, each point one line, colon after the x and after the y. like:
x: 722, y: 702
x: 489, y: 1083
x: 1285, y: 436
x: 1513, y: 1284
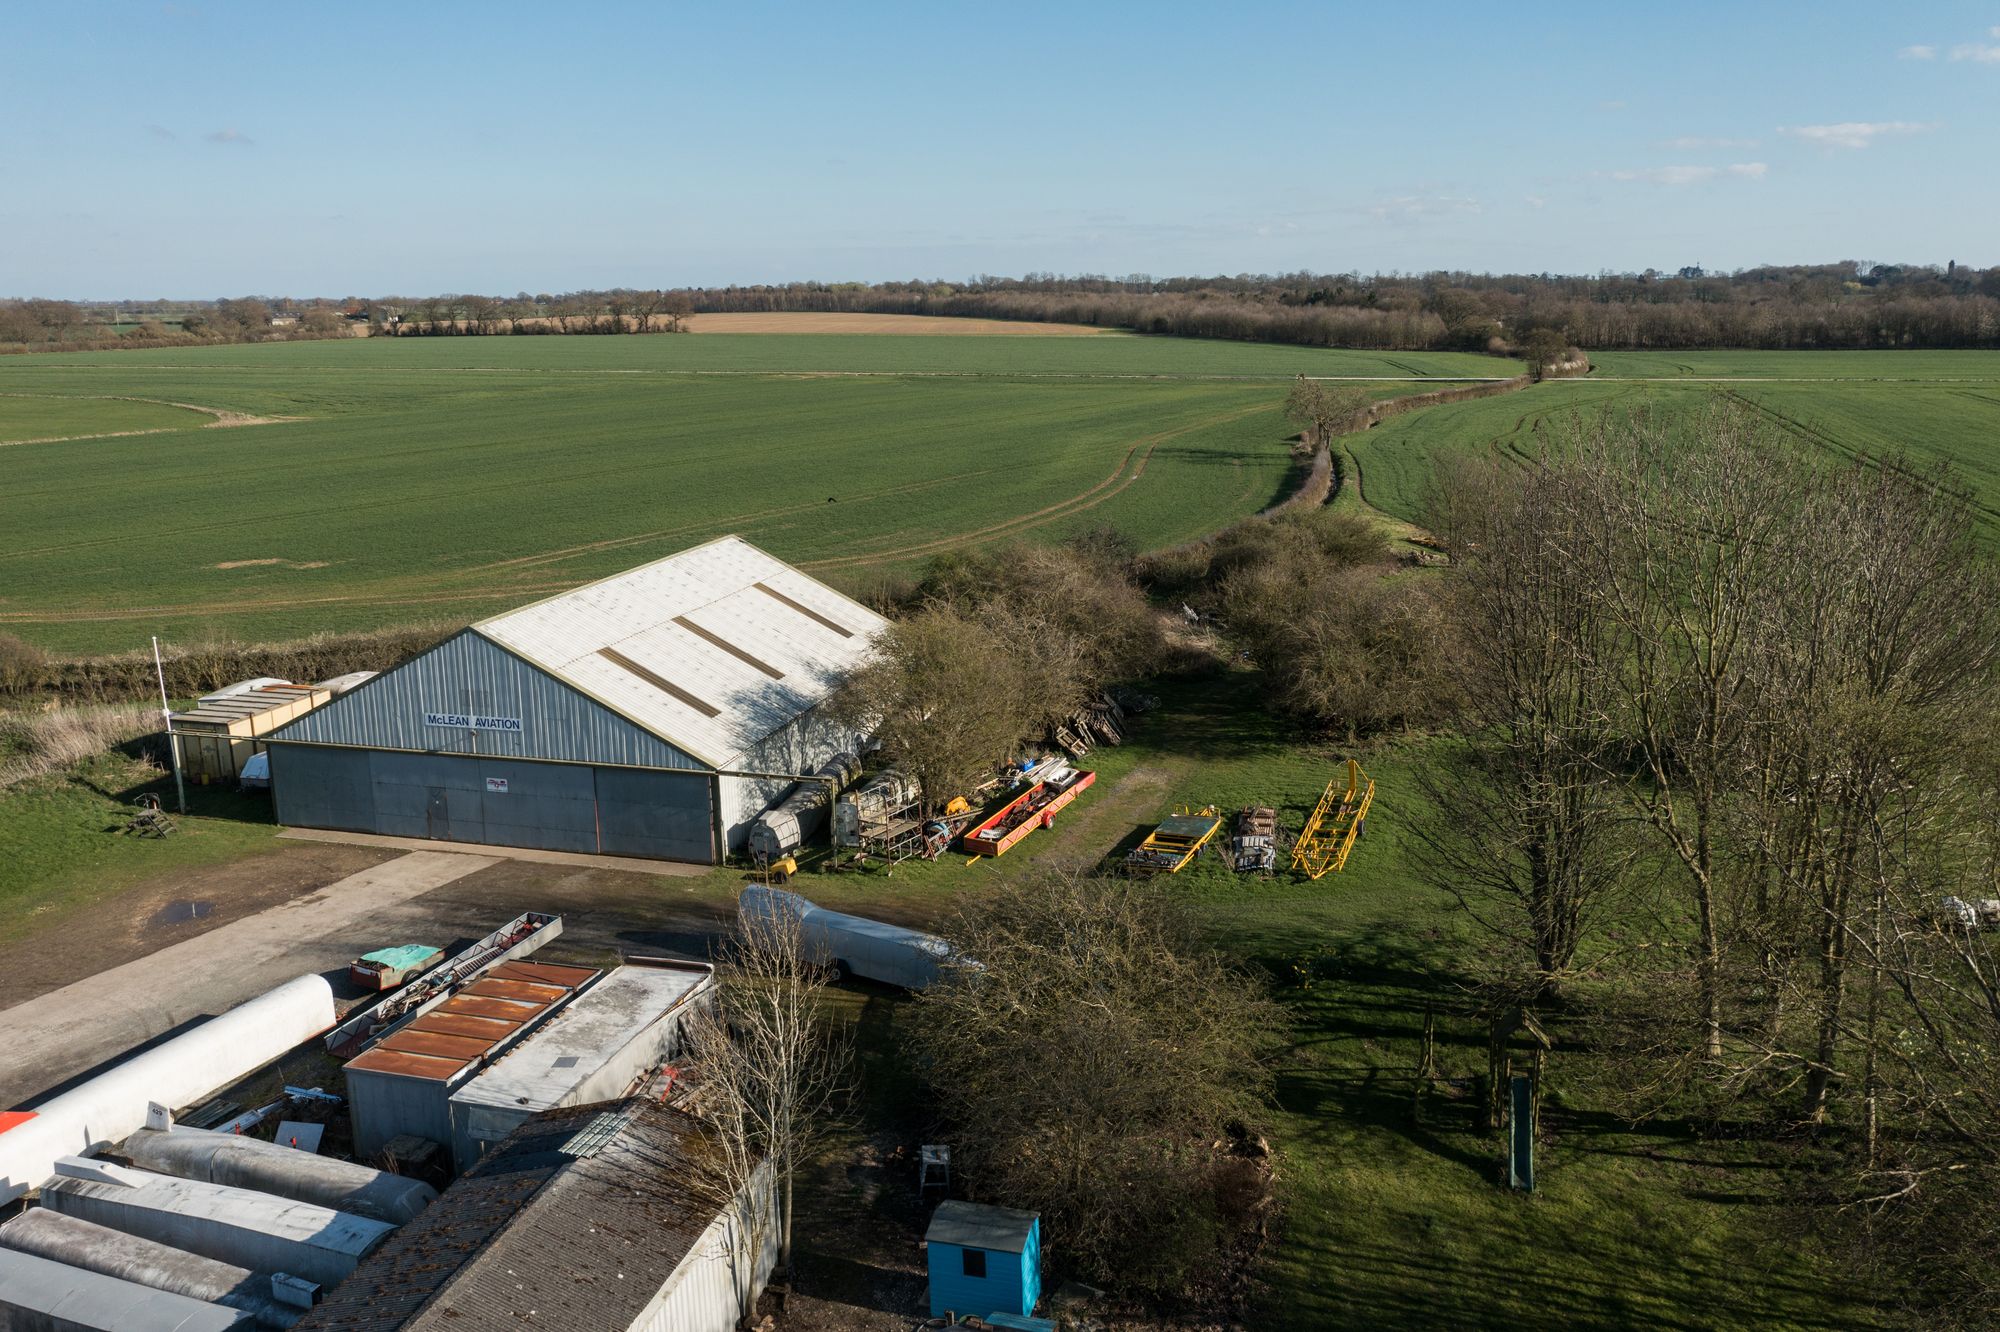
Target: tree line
x: 1808, y: 307
x: 1850, y: 306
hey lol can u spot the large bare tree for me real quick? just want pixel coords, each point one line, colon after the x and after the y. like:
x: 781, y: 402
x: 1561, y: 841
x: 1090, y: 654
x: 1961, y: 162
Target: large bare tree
x: 1524, y: 823
x: 767, y: 1067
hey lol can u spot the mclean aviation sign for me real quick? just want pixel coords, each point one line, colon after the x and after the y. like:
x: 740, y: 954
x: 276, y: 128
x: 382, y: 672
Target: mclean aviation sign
x: 460, y: 721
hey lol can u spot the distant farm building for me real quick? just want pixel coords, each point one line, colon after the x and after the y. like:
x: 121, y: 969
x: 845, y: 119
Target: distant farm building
x: 653, y: 714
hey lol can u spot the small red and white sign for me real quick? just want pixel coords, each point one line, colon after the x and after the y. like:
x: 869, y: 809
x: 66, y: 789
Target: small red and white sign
x: 496, y: 786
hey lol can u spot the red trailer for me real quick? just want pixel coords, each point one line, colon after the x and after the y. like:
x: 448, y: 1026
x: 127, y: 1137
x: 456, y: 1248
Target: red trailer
x: 1002, y: 830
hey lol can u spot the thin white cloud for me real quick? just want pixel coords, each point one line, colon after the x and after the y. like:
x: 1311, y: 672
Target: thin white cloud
x: 1537, y: 201
x: 1415, y: 207
x: 1611, y: 106
x: 1984, y: 55
x: 1919, y: 52
x: 1694, y: 143
x: 1853, y: 133
x: 1993, y: 31
x: 235, y: 136
x: 1692, y: 175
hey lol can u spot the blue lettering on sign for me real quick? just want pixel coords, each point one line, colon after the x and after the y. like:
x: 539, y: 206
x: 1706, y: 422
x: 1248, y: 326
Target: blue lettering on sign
x: 459, y: 721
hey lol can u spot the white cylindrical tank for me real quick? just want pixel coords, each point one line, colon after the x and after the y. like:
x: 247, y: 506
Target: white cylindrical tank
x: 112, y: 1105
x: 251, y: 1163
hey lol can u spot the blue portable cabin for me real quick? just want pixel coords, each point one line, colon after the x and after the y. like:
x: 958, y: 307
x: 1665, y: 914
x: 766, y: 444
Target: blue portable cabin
x: 984, y: 1259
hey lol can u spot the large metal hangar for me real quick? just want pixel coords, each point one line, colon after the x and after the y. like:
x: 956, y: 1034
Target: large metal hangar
x: 655, y: 714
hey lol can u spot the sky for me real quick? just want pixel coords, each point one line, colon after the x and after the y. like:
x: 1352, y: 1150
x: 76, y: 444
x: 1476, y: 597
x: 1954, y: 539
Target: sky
x: 202, y: 148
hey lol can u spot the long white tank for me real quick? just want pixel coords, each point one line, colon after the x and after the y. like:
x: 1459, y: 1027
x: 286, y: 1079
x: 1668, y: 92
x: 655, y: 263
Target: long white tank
x: 111, y: 1106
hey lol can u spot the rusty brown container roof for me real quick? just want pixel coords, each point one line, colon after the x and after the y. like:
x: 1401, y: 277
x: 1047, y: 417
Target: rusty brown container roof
x: 466, y: 1028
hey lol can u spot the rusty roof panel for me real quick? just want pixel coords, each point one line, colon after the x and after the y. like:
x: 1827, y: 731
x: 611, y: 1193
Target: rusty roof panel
x: 415, y: 1040
x: 432, y: 1068
x: 526, y: 992
x: 465, y: 1029
x: 465, y: 1024
x: 479, y: 1005
x: 547, y: 973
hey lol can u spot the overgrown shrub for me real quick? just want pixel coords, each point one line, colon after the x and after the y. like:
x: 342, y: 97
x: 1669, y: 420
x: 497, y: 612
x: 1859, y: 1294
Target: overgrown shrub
x: 1090, y: 1067
x: 33, y: 744
x: 196, y: 668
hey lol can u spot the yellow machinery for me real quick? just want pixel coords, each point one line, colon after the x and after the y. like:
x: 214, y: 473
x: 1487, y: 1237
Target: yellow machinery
x: 1169, y: 847
x: 1336, y: 821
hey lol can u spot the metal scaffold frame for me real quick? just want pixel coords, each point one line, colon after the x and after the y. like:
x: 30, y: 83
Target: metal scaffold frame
x: 1335, y: 823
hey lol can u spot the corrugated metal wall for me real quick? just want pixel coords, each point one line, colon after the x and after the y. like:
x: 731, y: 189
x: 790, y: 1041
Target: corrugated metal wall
x: 708, y: 1291
x: 471, y: 677
x: 496, y: 801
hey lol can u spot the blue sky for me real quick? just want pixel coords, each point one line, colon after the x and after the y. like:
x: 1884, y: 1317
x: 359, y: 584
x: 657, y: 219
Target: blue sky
x: 202, y: 148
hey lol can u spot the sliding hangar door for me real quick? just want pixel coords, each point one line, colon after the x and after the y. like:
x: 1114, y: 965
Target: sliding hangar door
x: 591, y: 808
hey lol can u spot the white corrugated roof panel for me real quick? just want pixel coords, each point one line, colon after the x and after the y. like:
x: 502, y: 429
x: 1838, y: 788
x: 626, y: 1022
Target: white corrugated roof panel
x: 712, y: 649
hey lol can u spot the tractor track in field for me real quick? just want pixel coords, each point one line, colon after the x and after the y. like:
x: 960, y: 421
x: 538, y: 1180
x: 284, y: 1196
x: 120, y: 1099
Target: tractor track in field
x: 810, y: 506
x: 225, y: 418
x: 275, y: 603
x: 1096, y: 495
x: 1108, y: 488
x: 1103, y: 490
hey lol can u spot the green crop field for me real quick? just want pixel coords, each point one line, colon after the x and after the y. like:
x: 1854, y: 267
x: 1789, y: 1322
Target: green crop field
x: 398, y: 480
x: 1947, y: 416
x: 43, y: 416
x: 1868, y: 365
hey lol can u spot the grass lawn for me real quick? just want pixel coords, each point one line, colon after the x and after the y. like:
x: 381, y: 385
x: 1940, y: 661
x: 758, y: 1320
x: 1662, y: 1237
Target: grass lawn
x: 63, y: 854
x: 1394, y: 1219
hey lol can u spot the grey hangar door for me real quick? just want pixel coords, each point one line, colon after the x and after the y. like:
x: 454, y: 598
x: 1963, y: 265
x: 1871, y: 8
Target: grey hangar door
x: 500, y: 802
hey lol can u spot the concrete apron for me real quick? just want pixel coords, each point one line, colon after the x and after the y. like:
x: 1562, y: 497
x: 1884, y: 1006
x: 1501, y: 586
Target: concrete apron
x: 59, y: 1035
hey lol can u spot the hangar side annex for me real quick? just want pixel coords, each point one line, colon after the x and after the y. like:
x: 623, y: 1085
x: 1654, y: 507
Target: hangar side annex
x: 655, y: 713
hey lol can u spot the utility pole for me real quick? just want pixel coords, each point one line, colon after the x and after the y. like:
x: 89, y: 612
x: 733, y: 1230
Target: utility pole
x: 173, y: 741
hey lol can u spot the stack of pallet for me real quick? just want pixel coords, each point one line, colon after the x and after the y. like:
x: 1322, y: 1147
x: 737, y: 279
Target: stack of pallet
x: 1254, y: 849
x: 1100, y: 721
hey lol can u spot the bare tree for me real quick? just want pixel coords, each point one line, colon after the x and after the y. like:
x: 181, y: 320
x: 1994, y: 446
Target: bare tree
x: 947, y: 697
x: 1525, y: 824
x: 767, y: 1069
x: 1689, y: 545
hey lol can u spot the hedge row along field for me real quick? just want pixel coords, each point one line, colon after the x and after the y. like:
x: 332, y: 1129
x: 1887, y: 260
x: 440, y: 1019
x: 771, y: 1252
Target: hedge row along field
x: 449, y: 478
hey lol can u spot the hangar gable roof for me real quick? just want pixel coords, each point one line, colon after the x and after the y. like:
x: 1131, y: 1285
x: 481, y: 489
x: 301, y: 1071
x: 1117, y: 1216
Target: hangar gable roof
x: 712, y: 649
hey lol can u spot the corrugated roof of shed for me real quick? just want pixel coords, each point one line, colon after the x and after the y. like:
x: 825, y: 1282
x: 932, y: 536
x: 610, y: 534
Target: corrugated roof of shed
x: 712, y: 649
x: 573, y: 1225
